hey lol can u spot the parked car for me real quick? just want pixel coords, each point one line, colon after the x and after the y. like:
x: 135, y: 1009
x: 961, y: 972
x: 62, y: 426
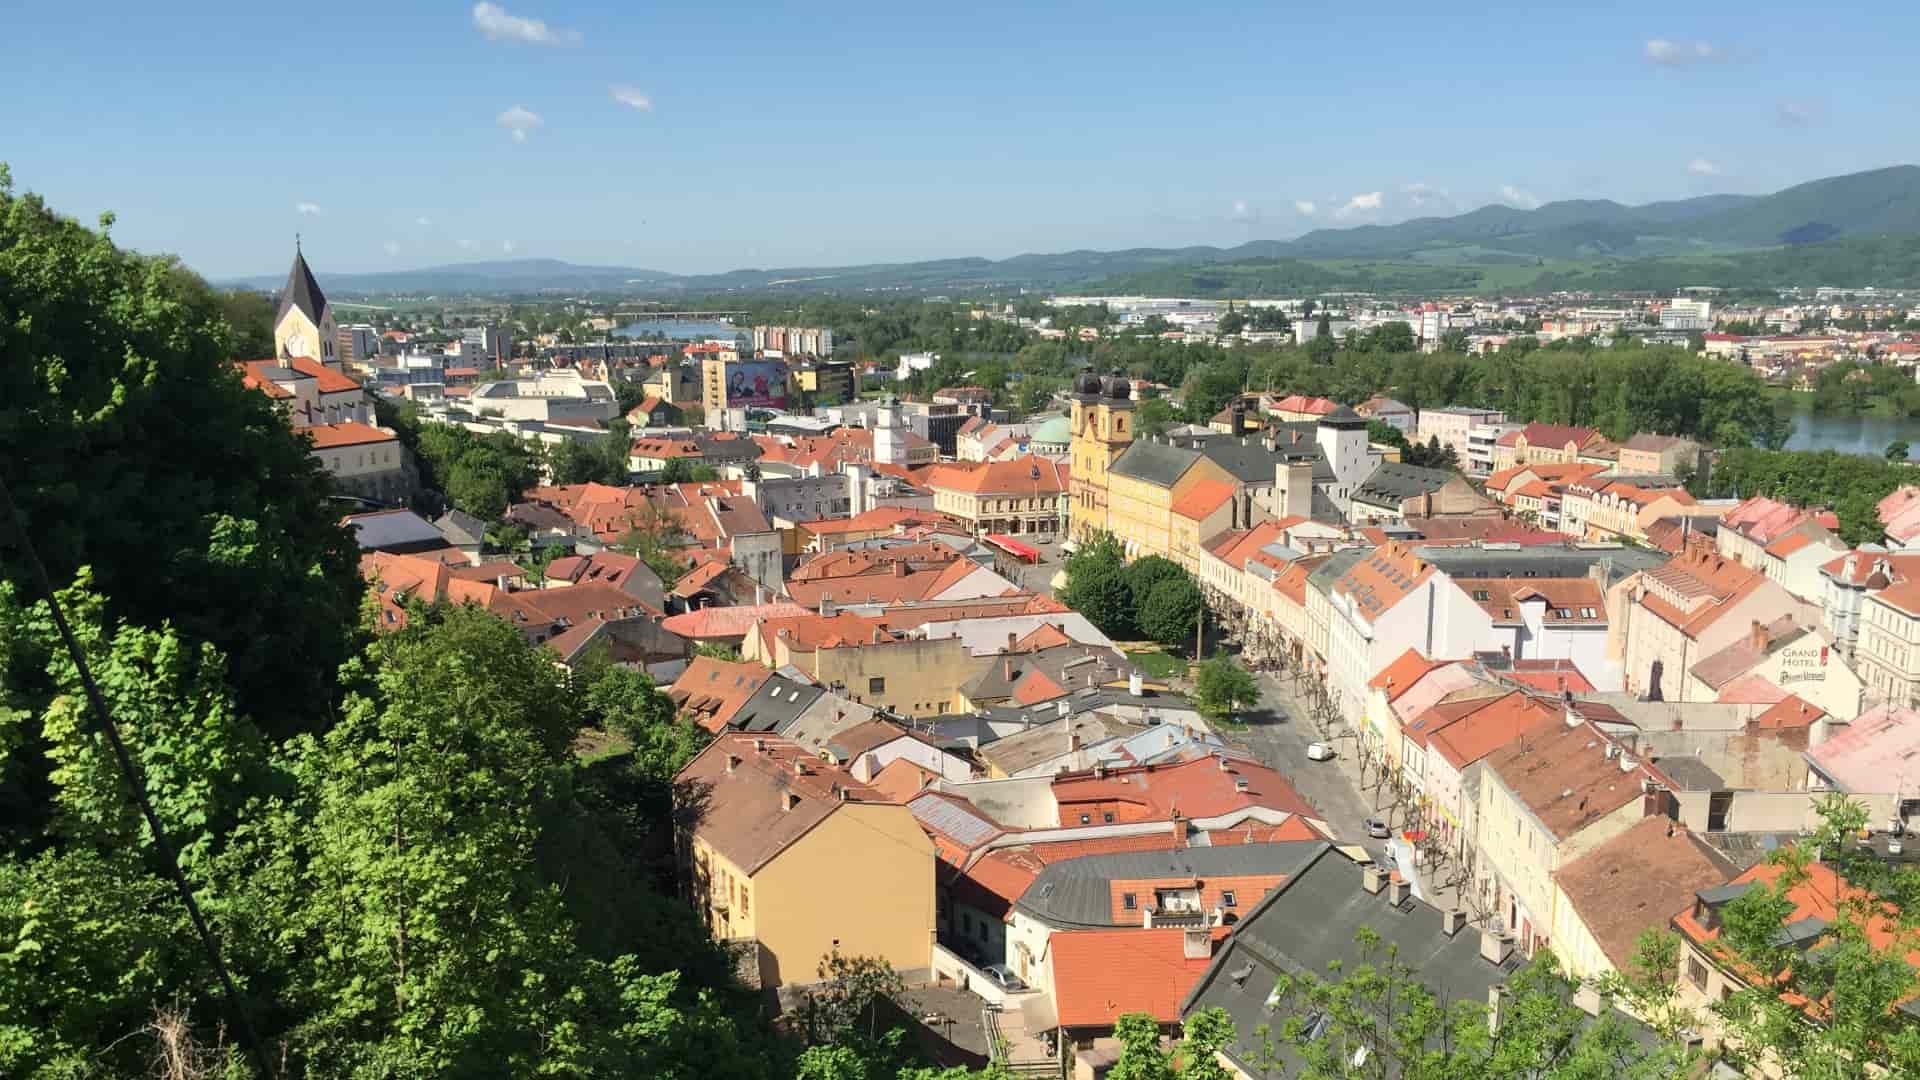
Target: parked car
x: 1004, y: 978
x: 1377, y: 829
x: 1319, y: 751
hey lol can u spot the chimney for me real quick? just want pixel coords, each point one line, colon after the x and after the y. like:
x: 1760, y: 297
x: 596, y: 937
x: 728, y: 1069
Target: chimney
x: 1134, y: 686
x: 826, y: 606
x: 900, y: 569
x: 1496, y: 997
x: 1587, y: 997
x: 1494, y: 947
x: 1451, y: 920
x: 1628, y: 762
x: 791, y: 800
x: 1198, y: 944
x: 1373, y: 879
x: 1073, y: 742
x: 759, y: 746
x: 733, y: 762
x: 1397, y: 892
x: 1011, y: 639
x: 799, y: 766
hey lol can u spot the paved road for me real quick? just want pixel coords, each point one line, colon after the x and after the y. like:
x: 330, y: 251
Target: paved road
x: 1278, y: 732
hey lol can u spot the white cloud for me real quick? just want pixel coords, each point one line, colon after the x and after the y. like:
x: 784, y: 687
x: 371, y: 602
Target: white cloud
x: 1702, y: 167
x: 632, y: 98
x: 468, y: 245
x: 391, y: 247
x: 519, y: 120
x: 1243, y: 212
x: 1421, y: 195
x: 1305, y: 207
x: 1681, y: 53
x: 1365, y: 202
x: 506, y: 246
x: 498, y: 25
x: 423, y: 221
x: 1799, y: 114
x: 307, y: 209
x: 1520, y: 197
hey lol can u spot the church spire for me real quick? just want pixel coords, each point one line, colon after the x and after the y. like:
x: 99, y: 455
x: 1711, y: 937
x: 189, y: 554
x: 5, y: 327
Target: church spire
x: 301, y: 290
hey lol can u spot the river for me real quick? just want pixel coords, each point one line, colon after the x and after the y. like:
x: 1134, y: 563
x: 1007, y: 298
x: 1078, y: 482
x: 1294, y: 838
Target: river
x: 680, y: 330
x: 1851, y: 434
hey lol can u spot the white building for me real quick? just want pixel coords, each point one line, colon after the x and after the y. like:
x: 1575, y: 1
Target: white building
x: 552, y: 396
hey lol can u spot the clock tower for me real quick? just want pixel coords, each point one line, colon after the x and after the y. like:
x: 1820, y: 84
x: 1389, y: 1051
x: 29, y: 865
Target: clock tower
x: 304, y: 326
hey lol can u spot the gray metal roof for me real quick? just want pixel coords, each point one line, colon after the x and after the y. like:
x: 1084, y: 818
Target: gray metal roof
x: 394, y: 530
x: 967, y: 827
x: 1691, y: 773
x: 777, y: 703
x: 1247, y: 457
x: 1336, y: 567
x: 1076, y: 893
x: 1309, y: 923
x: 1155, y: 462
x: 1392, y: 483
x: 1539, y: 561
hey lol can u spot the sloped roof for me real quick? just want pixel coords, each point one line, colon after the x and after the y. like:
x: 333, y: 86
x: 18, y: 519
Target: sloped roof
x: 1392, y: 483
x: 1203, y: 498
x: 301, y: 291
x: 1098, y: 975
x: 745, y: 814
x: 1154, y: 462
x: 1639, y: 879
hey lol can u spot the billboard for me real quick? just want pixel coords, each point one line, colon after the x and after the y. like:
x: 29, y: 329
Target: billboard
x: 756, y: 382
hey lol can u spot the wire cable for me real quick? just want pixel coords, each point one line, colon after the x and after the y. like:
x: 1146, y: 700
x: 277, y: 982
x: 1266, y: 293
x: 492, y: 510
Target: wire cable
x: 136, y: 788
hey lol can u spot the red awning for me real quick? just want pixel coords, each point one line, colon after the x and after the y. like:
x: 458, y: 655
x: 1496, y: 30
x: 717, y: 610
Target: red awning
x: 1014, y: 547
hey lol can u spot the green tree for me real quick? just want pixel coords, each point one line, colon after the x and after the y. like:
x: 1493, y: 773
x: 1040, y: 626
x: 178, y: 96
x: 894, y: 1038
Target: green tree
x: 131, y: 446
x: 250, y: 315
x: 657, y: 536
x: 1152, y: 417
x: 1148, y: 571
x: 1222, y: 687
x: 1231, y: 323
x: 1897, y: 451
x: 1098, y: 587
x: 676, y: 471
x: 1142, y: 1057
x: 1171, y: 611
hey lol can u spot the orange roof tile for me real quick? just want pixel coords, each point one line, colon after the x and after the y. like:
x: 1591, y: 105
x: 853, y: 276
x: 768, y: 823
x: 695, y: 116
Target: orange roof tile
x: 1203, y: 498
x: 1400, y: 675
x: 348, y: 433
x: 1100, y: 974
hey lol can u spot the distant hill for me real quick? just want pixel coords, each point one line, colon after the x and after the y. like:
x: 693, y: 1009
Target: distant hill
x: 496, y: 276
x: 1879, y: 203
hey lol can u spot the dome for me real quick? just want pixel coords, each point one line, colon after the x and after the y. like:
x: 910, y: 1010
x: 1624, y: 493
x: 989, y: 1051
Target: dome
x: 1056, y: 431
x: 1087, y: 384
x: 1119, y: 388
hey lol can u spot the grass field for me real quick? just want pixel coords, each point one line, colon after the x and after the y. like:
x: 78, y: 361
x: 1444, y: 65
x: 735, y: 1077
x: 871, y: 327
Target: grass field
x: 1158, y: 664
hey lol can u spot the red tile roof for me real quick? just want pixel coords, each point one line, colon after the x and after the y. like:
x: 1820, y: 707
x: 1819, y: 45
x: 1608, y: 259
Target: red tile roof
x: 349, y: 433
x: 1400, y: 675
x: 1098, y: 975
x: 1202, y: 787
x: 713, y: 623
x: 1021, y: 477
x: 1203, y: 498
x: 710, y: 691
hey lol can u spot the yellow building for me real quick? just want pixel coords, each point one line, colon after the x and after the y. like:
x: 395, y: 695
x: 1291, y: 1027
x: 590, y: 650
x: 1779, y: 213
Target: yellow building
x: 1144, y: 485
x: 794, y: 854
x: 1102, y: 427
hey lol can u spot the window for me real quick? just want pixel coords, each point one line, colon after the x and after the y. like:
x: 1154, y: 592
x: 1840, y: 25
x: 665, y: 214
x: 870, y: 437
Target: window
x: 1086, y: 819
x: 1107, y: 817
x: 876, y: 685
x: 1481, y: 594
x: 1586, y: 613
x: 1696, y: 972
x: 1128, y: 902
x: 1226, y: 898
x: 1563, y: 613
x: 746, y: 902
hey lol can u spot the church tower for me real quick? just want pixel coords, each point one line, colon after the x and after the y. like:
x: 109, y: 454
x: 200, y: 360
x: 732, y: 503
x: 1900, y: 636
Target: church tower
x: 304, y: 326
x: 1102, y: 423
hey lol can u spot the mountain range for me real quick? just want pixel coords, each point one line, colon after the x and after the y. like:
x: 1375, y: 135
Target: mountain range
x: 1874, y: 205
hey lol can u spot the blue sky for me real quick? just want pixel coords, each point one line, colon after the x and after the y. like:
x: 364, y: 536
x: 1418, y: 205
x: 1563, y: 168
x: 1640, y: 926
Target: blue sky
x: 703, y: 137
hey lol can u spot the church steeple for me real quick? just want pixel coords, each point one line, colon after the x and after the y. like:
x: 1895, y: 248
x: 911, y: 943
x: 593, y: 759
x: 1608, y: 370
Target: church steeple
x: 301, y: 290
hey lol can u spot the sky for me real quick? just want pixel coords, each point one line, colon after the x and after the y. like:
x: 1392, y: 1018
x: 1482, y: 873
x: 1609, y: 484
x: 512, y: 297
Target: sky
x: 696, y: 138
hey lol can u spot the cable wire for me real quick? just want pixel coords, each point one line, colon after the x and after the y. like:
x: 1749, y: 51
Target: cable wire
x: 136, y: 788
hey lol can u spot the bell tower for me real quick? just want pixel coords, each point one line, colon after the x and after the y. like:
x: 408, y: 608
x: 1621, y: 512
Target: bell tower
x: 1102, y: 427
x: 304, y: 326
